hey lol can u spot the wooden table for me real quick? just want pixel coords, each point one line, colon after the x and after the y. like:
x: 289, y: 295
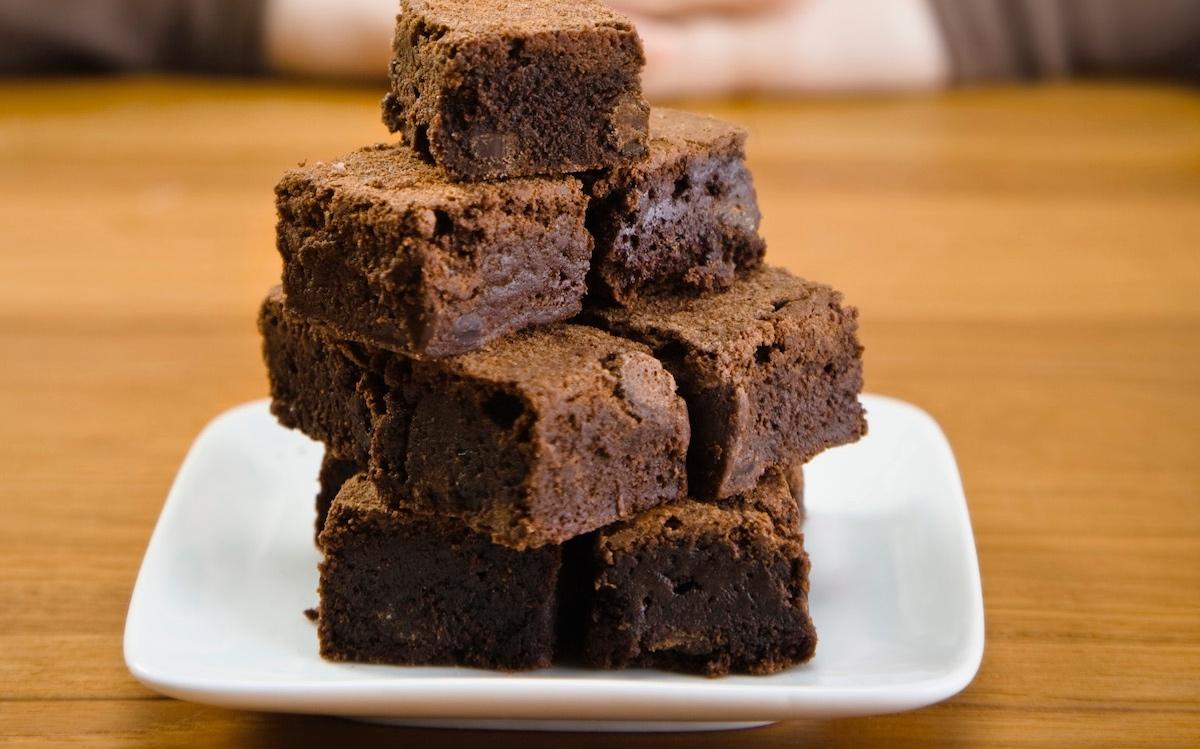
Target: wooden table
x: 1027, y: 263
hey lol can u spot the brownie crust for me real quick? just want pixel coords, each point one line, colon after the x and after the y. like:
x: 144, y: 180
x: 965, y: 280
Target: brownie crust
x: 380, y: 247
x: 404, y: 588
x: 521, y: 87
x: 708, y: 588
x: 685, y: 219
x: 544, y: 435
x: 771, y: 370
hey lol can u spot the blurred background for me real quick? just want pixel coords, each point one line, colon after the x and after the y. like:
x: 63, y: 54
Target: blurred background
x: 693, y: 47
x: 1008, y: 189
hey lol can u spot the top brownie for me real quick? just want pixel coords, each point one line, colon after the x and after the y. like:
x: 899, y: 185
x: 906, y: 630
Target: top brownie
x: 505, y: 89
x: 379, y: 246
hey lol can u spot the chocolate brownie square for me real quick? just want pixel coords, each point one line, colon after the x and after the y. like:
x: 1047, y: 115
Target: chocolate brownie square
x: 771, y: 370
x: 708, y: 588
x: 684, y: 219
x: 550, y: 434
x: 406, y: 588
x: 514, y: 88
x: 381, y: 248
x: 536, y: 438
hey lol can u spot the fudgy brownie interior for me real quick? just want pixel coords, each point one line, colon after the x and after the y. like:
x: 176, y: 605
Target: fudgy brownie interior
x: 403, y: 587
x: 709, y: 588
x: 704, y: 587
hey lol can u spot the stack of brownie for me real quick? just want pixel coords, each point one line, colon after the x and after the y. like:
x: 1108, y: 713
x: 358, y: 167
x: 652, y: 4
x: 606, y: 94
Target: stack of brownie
x: 564, y: 403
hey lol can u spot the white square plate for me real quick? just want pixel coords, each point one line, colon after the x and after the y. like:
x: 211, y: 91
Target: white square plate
x: 216, y: 615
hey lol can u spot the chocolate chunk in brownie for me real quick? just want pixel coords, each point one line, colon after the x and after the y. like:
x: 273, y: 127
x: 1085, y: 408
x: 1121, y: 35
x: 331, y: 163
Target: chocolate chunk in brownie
x: 684, y: 219
x: 381, y: 248
x: 701, y: 587
x: 402, y: 587
x: 519, y: 87
x: 771, y: 370
x: 539, y: 437
x: 334, y: 473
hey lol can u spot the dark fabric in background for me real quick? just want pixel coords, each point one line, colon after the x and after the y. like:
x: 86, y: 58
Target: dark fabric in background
x: 987, y: 39
x: 992, y: 40
x: 202, y: 36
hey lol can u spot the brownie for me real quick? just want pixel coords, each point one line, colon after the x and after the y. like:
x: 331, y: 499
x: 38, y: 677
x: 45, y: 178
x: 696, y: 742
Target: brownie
x: 334, y: 473
x: 541, y: 436
x: 771, y: 370
x: 502, y: 89
x: 380, y: 247
x: 703, y: 587
x: 408, y: 588
x: 318, y: 382
x: 686, y: 218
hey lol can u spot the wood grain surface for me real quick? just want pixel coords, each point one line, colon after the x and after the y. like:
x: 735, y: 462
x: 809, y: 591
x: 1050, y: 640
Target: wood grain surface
x: 1027, y: 264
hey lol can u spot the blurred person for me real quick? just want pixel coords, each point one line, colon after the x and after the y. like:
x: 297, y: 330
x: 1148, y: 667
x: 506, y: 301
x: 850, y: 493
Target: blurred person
x: 693, y: 47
